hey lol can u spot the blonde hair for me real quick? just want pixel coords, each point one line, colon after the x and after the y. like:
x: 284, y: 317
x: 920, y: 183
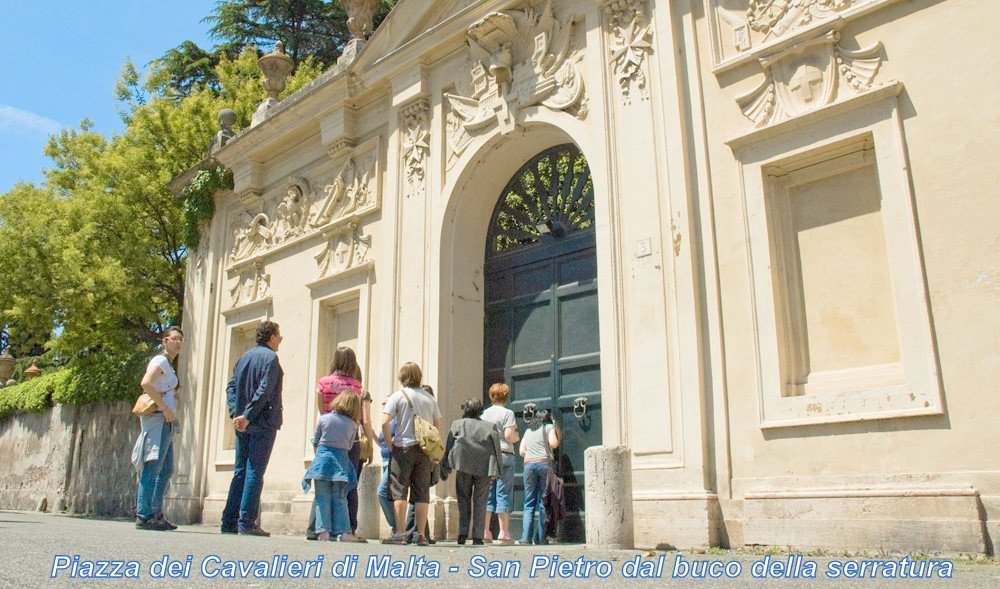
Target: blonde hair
x: 499, y: 393
x: 410, y: 375
x: 347, y: 403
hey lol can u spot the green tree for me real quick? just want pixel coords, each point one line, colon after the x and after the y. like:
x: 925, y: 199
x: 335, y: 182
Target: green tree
x: 315, y: 28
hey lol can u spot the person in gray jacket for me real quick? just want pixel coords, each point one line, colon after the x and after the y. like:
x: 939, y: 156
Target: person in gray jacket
x: 473, y: 450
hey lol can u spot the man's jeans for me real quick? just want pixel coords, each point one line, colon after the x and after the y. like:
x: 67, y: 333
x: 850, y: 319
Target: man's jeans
x: 388, y: 509
x: 253, y: 450
x: 536, y: 475
x: 156, y: 476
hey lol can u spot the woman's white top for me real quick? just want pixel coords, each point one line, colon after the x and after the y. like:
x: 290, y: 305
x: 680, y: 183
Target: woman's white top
x: 166, y: 382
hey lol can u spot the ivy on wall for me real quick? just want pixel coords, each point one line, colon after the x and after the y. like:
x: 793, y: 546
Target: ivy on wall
x: 199, y: 202
x: 90, y: 379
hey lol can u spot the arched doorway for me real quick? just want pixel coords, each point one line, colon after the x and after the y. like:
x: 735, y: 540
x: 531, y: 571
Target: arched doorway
x: 541, y: 333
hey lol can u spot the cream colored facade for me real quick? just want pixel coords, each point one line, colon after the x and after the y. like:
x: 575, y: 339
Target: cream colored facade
x: 797, y: 252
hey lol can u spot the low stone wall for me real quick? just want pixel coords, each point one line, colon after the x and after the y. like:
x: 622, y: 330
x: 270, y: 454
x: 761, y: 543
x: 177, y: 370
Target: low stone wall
x: 71, y: 458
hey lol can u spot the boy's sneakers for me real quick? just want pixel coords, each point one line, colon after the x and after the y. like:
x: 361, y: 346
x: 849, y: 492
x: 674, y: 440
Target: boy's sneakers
x: 421, y: 540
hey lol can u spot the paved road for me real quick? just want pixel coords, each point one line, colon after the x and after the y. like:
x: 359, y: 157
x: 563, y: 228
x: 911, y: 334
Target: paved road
x: 33, y: 544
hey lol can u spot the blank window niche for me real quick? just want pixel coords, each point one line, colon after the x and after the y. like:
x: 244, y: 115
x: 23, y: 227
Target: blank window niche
x: 338, y: 327
x: 837, y: 322
x: 842, y: 324
x: 241, y: 339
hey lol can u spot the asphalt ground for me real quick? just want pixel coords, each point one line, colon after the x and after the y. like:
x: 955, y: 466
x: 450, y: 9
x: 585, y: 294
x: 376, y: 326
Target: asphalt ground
x: 45, y: 550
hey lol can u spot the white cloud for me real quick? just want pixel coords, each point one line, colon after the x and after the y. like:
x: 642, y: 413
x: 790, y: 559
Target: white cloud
x: 24, y: 122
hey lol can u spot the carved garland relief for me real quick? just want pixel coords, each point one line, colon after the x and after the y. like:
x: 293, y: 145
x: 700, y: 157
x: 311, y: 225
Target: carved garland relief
x: 517, y: 59
x: 742, y: 25
x: 631, y: 43
x: 299, y: 211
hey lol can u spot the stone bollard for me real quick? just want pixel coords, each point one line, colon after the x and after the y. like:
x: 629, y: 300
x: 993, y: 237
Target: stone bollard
x: 369, y: 512
x: 609, y: 497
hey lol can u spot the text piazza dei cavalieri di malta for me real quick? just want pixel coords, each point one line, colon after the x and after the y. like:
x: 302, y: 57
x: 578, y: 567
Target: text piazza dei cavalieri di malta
x: 751, y: 245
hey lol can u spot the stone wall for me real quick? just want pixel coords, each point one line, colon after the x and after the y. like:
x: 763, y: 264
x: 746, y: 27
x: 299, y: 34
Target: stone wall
x: 70, y: 458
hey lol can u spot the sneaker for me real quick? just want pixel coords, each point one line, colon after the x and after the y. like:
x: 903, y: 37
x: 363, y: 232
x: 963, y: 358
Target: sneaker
x: 254, y: 532
x: 149, y: 524
x: 488, y: 536
x: 421, y: 540
x: 461, y: 539
x: 477, y: 542
x: 163, y: 520
x: 431, y: 541
x: 323, y: 537
x: 399, y: 538
x: 505, y: 539
x: 523, y: 542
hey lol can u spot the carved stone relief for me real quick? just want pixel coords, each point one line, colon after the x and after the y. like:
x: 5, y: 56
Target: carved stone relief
x: 631, y: 43
x: 415, y: 145
x: 742, y: 25
x: 517, y: 59
x: 299, y: 210
x: 807, y: 76
x: 344, y: 250
x: 352, y: 190
x: 252, y: 284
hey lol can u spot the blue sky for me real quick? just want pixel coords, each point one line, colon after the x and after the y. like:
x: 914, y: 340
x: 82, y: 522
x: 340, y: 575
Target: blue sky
x: 61, y: 58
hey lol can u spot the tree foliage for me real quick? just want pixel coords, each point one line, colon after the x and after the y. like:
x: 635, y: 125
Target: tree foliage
x: 316, y: 28
x: 93, y: 259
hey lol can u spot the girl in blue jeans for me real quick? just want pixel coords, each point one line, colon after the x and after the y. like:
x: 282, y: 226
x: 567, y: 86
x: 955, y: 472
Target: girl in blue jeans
x: 536, y: 448
x: 332, y: 470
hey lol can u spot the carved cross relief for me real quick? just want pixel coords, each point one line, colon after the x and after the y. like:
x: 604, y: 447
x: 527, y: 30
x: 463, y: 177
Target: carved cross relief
x: 344, y: 250
x: 517, y: 59
x: 252, y: 284
x: 807, y: 76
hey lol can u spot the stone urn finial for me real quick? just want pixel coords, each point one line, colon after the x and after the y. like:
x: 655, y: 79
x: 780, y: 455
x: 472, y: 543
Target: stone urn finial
x: 6, y: 366
x: 276, y: 66
x: 360, y: 16
x: 33, y: 370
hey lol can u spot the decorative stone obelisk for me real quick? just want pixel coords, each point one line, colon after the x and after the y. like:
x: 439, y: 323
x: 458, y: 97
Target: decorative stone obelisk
x: 275, y: 66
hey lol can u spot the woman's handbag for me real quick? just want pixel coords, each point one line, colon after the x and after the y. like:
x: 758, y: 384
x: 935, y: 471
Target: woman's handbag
x: 554, y: 498
x: 144, y: 405
x: 366, y: 446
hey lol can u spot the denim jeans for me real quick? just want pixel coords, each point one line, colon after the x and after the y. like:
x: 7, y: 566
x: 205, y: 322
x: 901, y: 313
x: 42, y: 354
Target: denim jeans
x: 536, y: 475
x: 471, y: 492
x: 352, y: 496
x: 156, y: 476
x: 502, y: 489
x: 253, y: 450
x: 388, y: 509
x: 331, y: 507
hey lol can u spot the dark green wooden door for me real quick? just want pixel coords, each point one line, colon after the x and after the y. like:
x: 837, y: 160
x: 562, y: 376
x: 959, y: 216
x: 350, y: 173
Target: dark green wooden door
x: 542, y: 330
